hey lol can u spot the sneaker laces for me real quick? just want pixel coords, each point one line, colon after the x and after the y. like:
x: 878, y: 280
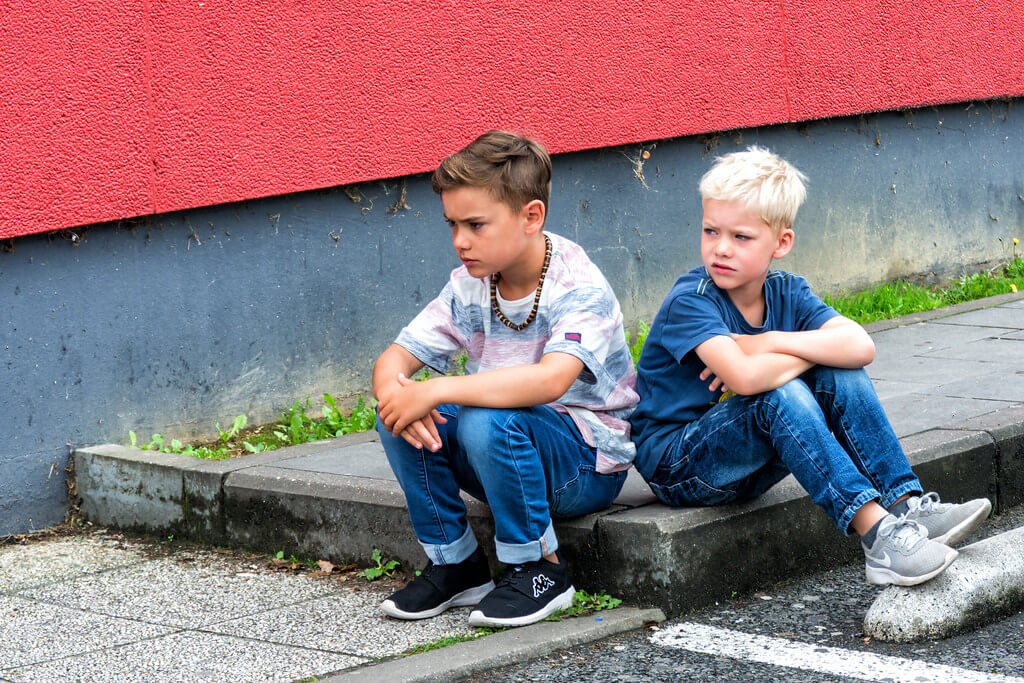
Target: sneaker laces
x: 514, y: 577
x: 905, y: 534
x: 925, y: 504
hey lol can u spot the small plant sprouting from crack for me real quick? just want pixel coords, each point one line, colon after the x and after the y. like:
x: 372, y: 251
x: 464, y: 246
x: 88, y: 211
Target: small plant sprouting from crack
x: 638, y: 162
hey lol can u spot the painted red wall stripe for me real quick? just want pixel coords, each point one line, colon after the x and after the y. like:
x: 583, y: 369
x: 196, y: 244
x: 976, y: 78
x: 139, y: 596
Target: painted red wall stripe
x: 112, y: 111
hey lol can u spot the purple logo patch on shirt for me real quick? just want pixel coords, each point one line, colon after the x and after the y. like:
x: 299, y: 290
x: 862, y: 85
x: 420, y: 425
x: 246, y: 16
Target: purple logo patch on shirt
x: 574, y: 336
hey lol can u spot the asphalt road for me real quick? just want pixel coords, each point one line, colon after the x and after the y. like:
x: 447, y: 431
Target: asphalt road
x: 803, y: 630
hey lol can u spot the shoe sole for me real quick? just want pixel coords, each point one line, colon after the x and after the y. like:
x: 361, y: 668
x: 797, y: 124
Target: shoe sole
x: 966, y: 527
x: 883, y: 577
x: 466, y: 598
x: 563, y: 601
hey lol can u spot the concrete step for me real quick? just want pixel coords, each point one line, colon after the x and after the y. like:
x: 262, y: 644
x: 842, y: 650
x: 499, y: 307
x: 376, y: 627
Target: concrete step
x: 338, y: 500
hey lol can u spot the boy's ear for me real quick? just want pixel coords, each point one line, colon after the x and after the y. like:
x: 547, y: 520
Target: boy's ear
x: 785, y: 243
x: 533, y: 215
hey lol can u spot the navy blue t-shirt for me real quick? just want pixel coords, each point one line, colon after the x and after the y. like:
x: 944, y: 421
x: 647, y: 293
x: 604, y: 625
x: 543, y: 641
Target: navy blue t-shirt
x: 668, y: 374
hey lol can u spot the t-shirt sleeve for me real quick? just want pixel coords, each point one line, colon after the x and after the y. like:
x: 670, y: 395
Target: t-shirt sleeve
x: 586, y: 323
x: 433, y: 335
x: 811, y: 311
x: 690, y: 321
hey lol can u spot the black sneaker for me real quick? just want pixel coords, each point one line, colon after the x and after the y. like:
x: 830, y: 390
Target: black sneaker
x: 526, y: 594
x: 440, y: 586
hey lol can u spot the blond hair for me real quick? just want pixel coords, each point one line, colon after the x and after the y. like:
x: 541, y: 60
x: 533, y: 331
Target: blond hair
x: 514, y: 169
x: 761, y: 181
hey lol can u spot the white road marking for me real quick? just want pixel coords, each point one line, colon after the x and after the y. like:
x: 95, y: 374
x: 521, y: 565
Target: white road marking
x: 810, y: 657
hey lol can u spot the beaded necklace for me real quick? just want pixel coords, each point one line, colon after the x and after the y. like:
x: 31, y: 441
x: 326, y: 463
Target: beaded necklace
x: 536, y: 298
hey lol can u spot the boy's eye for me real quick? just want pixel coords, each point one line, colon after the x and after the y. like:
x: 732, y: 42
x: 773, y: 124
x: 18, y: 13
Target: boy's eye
x: 742, y: 237
x: 476, y: 226
x: 709, y: 231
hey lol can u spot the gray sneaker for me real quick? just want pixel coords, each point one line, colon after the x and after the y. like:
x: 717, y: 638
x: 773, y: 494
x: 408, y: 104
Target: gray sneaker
x: 947, y: 523
x: 904, y: 555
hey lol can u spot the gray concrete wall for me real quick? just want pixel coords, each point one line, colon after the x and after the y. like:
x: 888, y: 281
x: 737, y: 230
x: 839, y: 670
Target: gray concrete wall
x: 172, y: 322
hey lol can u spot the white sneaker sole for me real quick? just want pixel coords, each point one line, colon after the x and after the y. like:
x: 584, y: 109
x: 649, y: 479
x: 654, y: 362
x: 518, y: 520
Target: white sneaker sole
x: 966, y: 527
x: 468, y: 597
x: 563, y: 601
x: 883, y: 577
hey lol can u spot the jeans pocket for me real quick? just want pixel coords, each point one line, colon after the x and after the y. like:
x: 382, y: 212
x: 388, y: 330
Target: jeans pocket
x: 588, y: 492
x: 691, y: 492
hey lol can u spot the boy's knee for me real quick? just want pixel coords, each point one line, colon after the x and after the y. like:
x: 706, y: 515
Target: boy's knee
x: 793, y: 394
x: 477, y: 426
x: 847, y: 378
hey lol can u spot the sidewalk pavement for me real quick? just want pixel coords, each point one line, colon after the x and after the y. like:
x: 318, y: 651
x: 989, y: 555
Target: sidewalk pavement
x: 951, y: 380
x: 102, y: 606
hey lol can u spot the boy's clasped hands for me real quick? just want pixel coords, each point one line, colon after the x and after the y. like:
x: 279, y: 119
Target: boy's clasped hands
x: 407, y: 408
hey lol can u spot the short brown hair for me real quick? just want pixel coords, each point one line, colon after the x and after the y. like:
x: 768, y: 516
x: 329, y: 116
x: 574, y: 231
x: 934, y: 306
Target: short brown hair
x: 514, y: 169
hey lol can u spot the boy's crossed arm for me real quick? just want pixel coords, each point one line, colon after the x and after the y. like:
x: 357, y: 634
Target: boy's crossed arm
x: 753, y: 364
x: 408, y: 408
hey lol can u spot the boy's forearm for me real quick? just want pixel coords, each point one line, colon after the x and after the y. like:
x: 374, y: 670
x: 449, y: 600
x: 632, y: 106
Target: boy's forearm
x: 394, y: 361
x: 767, y: 371
x: 841, y: 345
x: 513, y: 387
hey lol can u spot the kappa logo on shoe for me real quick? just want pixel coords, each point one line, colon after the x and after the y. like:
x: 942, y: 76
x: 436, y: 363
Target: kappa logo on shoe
x: 884, y: 560
x: 540, y: 584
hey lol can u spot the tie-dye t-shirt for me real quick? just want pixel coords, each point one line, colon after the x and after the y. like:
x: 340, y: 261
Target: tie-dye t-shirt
x: 578, y: 315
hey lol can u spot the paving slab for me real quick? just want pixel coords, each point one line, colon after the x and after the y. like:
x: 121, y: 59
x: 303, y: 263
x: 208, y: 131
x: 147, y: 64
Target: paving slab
x: 985, y: 582
x: 185, y: 658
x: 32, y: 631
x: 921, y: 338
x: 918, y: 412
x: 930, y: 370
x: 889, y: 389
x: 1003, y: 385
x: 349, y: 622
x: 24, y: 566
x: 992, y: 316
x: 1001, y: 351
x: 179, y: 593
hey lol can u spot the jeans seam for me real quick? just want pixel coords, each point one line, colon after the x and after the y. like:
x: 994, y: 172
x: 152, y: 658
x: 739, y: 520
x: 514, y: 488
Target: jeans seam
x: 430, y: 498
x: 800, y: 443
x: 519, y: 475
x: 857, y: 455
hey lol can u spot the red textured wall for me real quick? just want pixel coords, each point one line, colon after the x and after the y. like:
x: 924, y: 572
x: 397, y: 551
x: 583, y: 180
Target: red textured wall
x: 116, y: 110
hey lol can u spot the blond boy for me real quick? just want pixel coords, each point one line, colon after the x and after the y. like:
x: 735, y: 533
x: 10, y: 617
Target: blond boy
x: 747, y: 376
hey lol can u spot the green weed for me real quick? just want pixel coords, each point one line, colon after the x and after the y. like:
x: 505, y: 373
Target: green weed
x: 586, y: 603
x: 293, y: 427
x: 382, y: 569
x: 638, y: 342
x: 158, y: 443
x: 893, y: 299
x: 451, y: 640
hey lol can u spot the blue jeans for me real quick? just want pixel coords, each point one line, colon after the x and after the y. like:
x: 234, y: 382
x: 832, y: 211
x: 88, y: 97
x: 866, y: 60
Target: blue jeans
x: 827, y: 427
x: 528, y: 464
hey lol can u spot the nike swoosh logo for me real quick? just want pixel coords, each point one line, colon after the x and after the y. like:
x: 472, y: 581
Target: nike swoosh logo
x: 884, y: 560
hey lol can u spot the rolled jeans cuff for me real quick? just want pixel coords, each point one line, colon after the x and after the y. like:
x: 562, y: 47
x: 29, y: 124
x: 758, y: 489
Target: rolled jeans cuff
x: 851, y: 509
x: 451, y: 553
x: 890, y: 498
x: 518, y: 553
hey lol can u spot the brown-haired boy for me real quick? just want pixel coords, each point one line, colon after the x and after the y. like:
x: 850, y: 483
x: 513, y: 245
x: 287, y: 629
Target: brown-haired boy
x: 537, y: 427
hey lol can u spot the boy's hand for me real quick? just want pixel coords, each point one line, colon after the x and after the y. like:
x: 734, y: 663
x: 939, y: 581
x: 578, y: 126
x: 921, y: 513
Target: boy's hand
x: 716, y: 381
x: 408, y: 409
x: 423, y: 432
